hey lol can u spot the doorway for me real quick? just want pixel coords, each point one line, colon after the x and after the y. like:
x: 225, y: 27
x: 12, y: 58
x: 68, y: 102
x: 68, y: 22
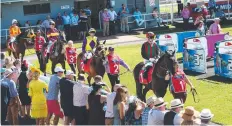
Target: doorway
x: 95, y: 7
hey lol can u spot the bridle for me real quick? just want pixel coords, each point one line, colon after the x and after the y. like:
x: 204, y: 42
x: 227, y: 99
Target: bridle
x: 165, y: 67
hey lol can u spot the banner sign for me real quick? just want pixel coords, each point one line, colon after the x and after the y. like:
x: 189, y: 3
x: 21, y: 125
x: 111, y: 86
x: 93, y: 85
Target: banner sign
x: 223, y: 59
x: 168, y: 42
x: 194, y: 56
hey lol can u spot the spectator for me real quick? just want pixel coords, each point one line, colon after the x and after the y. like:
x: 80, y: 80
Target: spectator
x: 59, y: 22
x: 201, y: 29
x: 133, y: 115
x: 74, y: 25
x: 88, y: 14
x: 124, y: 20
x: 119, y: 108
x: 198, y: 19
x: 8, y: 62
x: 46, y: 23
x: 215, y: 28
x: 212, y: 7
x: 156, y: 115
x: 155, y: 14
x: 180, y: 6
x: 37, y: 88
x: 189, y: 116
x: 27, y: 24
x: 23, y: 93
x: 97, y: 80
x: 109, y: 116
x: 83, y: 27
x: 66, y: 96
x: 106, y: 18
x: 14, y: 103
x: 66, y: 22
x: 113, y: 18
x: 179, y: 91
x: 185, y: 14
x: 17, y: 69
x: 80, y: 96
x: 52, y: 97
x: 3, y: 56
x: 39, y: 27
x: 204, y: 12
x: 206, y: 117
x: 71, y: 54
x: 96, y: 103
x: 138, y: 17
x: 150, y: 105
x: 5, y: 98
x: 172, y: 117
x: 100, y: 12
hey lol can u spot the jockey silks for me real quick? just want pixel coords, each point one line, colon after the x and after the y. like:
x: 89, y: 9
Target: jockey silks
x: 178, y: 82
x: 14, y: 31
x: 53, y: 34
x: 39, y: 42
x: 89, y: 43
x: 150, y: 50
x: 113, y: 62
x: 71, y: 55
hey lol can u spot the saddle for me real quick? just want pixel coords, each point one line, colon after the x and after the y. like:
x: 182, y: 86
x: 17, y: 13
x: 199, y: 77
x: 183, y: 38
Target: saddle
x: 148, y: 79
x: 86, y: 66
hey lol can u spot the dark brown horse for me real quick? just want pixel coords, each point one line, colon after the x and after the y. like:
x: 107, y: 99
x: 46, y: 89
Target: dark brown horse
x: 24, y: 39
x: 57, y: 55
x: 96, y: 65
x: 160, y: 77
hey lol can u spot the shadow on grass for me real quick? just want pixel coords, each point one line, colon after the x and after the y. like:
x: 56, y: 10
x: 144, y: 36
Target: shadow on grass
x: 217, y: 80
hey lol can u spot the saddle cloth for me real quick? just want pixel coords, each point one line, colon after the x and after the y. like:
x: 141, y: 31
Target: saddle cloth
x: 147, y: 80
x: 85, y: 67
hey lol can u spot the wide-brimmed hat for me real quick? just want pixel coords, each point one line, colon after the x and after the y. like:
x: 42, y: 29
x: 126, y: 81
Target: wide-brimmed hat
x: 69, y: 72
x: 59, y: 69
x: 81, y: 78
x: 176, y: 103
x: 151, y: 100
x: 189, y: 113
x: 217, y: 19
x: 8, y: 72
x: 159, y: 102
x: 206, y: 114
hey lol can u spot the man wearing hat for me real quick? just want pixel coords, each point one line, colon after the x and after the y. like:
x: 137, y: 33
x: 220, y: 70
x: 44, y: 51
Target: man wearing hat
x: 150, y: 105
x: 39, y: 42
x: 52, y: 35
x: 206, y: 117
x: 52, y: 96
x: 215, y: 28
x: 106, y: 19
x: 66, y: 96
x: 172, y: 117
x: 80, y: 100
x: 112, y: 64
x: 14, y: 102
x: 156, y: 115
x: 89, y: 43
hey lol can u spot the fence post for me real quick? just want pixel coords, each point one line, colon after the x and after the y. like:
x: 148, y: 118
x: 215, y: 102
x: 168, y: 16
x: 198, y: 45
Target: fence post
x: 6, y: 35
x: 145, y: 23
x: 172, y: 16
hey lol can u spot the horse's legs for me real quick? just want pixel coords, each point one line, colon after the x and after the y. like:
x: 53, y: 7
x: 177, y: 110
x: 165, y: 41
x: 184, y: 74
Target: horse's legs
x: 63, y: 66
x: 22, y: 56
x: 89, y: 80
x: 9, y: 52
x: 145, y: 90
x: 160, y: 92
x: 53, y: 67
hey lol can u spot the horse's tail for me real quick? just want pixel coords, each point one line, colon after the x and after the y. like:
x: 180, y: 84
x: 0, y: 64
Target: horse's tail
x: 139, y: 86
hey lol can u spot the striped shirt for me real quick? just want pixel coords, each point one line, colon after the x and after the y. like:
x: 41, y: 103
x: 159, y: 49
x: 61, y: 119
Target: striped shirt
x: 145, y: 115
x: 80, y: 94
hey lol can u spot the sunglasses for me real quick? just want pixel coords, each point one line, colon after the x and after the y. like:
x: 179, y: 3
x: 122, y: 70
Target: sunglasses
x: 151, y: 37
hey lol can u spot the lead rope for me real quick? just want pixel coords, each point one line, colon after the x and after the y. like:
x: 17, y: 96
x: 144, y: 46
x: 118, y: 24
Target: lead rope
x: 195, y: 95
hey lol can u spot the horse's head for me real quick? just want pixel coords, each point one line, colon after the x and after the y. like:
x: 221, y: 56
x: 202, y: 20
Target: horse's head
x: 30, y: 33
x: 62, y: 37
x: 101, y: 50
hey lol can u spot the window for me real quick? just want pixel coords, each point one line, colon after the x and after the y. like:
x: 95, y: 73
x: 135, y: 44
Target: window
x: 36, y: 9
x: 132, y: 4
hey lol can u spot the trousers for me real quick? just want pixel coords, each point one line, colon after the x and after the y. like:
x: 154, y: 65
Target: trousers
x: 105, y: 28
x: 114, y: 79
x: 124, y: 23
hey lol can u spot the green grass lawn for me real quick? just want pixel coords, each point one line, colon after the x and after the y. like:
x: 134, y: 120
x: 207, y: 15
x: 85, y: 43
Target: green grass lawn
x: 217, y: 97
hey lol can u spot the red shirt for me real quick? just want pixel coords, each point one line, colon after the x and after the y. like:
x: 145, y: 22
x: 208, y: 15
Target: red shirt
x: 39, y: 42
x: 71, y: 55
x: 178, y: 82
x: 114, y: 63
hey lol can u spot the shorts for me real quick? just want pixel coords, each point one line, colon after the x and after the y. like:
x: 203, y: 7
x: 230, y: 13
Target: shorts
x: 54, y: 108
x: 68, y: 110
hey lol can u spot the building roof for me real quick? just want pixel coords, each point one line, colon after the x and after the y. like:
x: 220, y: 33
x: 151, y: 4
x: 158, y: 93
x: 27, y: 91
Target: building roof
x: 12, y: 1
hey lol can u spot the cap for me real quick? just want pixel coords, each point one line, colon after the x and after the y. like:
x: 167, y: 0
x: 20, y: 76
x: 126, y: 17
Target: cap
x: 59, y: 69
x: 111, y: 49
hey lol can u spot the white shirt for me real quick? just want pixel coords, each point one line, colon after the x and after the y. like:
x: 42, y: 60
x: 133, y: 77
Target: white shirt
x: 46, y: 23
x: 80, y: 94
x: 156, y: 117
x: 177, y: 120
x: 113, y: 15
x: 110, y: 104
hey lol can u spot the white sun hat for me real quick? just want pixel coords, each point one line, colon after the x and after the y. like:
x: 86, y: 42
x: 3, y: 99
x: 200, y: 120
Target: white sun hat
x: 151, y: 100
x: 69, y: 72
x: 159, y: 102
x: 59, y: 69
x: 176, y: 103
x: 206, y: 114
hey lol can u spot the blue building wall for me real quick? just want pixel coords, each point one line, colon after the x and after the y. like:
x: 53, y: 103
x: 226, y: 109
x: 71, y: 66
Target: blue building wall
x: 15, y: 11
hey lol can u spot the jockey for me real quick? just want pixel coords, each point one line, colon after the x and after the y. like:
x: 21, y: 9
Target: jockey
x: 178, y: 87
x: 150, y: 52
x: 112, y: 65
x: 39, y: 42
x: 14, y: 32
x: 52, y: 35
x: 89, y: 44
x: 71, y: 56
